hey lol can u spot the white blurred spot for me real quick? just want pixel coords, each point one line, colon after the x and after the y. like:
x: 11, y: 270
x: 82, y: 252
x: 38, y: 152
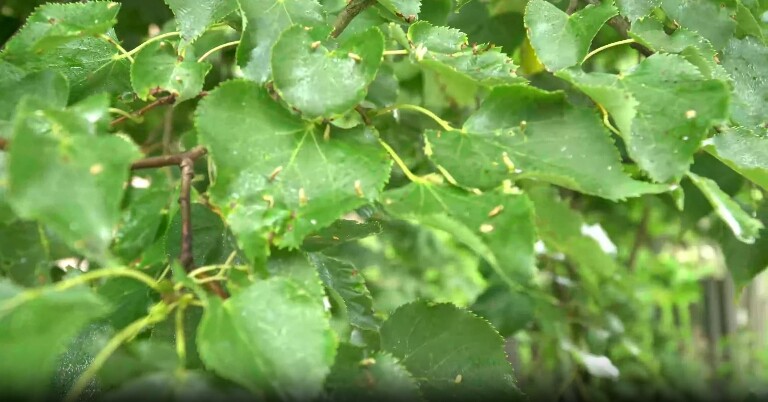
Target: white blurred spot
x: 596, y: 232
x: 599, y: 366
x: 72, y: 263
x: 140, y: 182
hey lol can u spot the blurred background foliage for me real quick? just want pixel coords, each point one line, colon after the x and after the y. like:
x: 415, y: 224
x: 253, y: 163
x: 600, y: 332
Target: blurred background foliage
x: 644, y: 292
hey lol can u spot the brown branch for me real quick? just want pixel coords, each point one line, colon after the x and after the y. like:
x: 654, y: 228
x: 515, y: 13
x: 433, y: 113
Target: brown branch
x: 572, y: 7
x: 363, y: 115
x: 353, y: 8
x: 640, y: 235
x: 169, y: 160
x: 187, y: 256
x: 187, y: 174
x: 3, y: 144
x: 170, y: 99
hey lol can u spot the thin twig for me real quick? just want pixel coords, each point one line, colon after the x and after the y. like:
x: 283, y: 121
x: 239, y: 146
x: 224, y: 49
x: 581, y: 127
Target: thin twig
x: 216, y: 49
x: 572, y: 7
x: 169, y: 160
x: 159, y: 102
x: 145, y: 44
x: 186, y: 161
x: 621, y: 26
x: 125, y: 335
x: 640, y: 235
x: 363, y: 114
x: 353, y: 8
x: 608, y: 46
x: 187, y: 174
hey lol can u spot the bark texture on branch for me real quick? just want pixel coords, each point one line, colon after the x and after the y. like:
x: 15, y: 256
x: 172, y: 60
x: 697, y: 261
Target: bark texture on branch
x: 353, y: 8
x: 160, y: 101
x: 169, y: 160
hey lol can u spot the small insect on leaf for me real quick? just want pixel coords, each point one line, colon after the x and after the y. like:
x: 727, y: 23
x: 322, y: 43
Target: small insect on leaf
x: 495, y: 211
x: 274, y: 173
x: 508, y: 162
x: 270, y: 200
x: 303, y: 200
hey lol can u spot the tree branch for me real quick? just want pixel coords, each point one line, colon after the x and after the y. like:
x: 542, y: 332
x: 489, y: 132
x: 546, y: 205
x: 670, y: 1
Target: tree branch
x: 169, y: 160
x: 572, y: 7
x: 187, y: 174
x: 3, y: 144
x: 640, y: 235
x: 170, y: 99
x: 353, y: 8
x: 187, y: 256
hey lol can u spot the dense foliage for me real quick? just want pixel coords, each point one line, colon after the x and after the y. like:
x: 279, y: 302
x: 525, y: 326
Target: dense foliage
x: 392, y: 199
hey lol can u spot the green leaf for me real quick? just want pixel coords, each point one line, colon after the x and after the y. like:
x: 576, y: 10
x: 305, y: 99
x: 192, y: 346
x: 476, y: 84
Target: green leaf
x: 274, y: 175
x: 79, y: 355
x: 164, y: 333
x: 505, y: 29
x: 87, y: 63
x: 745, y: 261
x: 709, y: 18
x: 157, y: 67
x: 131, y: 300
x: 323, y: 83
x: 140, y: 222
x: 460, y: 4
x: 272, y: 338
x: 495, y: 225
x: 340, y: 232
x: 212, y: 241
x: 296, y: 265
x: 193, y: 17
x: 509, y: 311
x: 697, y: 50
x: 561, y: 40
x: 168, y: 386
x: 54, y: 24
x: 743, y: 59
x: 663, y: 108
x: 36, y: 332
x: 55, y: 146
x: 385, y: 88
x: 143, y: 356
x: 380, y: 377
x: 437, y: 39
x: 560, y: 228
x: 349, y: 284
x: 23, y: 258
x: 408, y: 9
x: 746, y: 23
x: 47, y: 87
x: 523, y: 132
x: 265, y: 21
x: 636, y: 9
x: 454, y: 354
x: 483, y: 65
x: 743, y: 226
x: 745, y: 151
